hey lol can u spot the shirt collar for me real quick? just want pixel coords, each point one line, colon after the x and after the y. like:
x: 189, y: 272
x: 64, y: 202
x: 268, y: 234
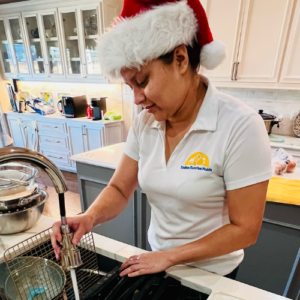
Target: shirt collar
x: 208, y: 114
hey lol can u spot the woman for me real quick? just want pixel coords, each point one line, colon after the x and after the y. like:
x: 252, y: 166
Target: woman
x: 202, y: 157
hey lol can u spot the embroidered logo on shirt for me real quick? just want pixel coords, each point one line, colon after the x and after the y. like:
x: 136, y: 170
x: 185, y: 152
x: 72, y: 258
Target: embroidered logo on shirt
x: 197, y: 161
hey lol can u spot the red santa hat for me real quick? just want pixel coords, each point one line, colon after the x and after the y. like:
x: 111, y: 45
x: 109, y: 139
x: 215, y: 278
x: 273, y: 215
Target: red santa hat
x: 147, y: 29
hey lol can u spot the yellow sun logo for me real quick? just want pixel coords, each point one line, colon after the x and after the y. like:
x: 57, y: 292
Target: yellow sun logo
x: 198, y: 159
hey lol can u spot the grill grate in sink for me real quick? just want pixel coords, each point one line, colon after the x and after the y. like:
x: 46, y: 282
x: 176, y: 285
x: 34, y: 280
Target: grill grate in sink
x: 40, y: 246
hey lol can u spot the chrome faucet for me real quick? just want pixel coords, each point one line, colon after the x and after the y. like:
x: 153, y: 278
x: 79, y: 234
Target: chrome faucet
x: 70, y: 255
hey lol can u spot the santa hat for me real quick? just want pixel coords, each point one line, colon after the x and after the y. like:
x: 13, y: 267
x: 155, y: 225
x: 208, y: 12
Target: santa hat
x: 147, y: 29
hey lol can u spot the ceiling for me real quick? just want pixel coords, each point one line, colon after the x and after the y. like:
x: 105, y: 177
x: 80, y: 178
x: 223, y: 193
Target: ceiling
x: 9, y: 1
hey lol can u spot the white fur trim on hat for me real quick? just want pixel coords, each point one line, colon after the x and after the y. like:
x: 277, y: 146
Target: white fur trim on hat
x: 138, y: 40
x: 212, y: 54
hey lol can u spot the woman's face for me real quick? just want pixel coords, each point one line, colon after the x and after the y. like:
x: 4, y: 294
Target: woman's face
x: 160, y: 88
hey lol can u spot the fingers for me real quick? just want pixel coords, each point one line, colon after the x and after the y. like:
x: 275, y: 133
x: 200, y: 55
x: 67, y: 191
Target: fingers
x: 56, y: 236
x: 131, y: 261
x: 131, y: 270
x: 78, y: 235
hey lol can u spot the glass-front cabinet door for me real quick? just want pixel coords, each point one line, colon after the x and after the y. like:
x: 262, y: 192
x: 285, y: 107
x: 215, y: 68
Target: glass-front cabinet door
x: 90, y: 26
x: 18, y: 42
x: 35, y: 46
x: 5, y: 52
x: 70, y: 39
x: 51, y: 38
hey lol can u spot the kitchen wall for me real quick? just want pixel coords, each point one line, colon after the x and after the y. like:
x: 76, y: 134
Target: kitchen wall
x: 275, y: 102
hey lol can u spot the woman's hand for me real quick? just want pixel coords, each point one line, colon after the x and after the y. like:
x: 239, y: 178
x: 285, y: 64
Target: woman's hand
x: 146, y: 263
x: 79, y: 225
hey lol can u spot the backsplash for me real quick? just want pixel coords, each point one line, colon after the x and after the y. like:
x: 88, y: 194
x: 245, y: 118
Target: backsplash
x: 113, y: 92
x: 275, y: 102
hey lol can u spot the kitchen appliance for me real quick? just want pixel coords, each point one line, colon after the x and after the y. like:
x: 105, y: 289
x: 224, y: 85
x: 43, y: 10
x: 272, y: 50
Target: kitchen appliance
x: 269, y: 120
x: 92, y: 285
x: 99, y: 107
x: 73, y: 107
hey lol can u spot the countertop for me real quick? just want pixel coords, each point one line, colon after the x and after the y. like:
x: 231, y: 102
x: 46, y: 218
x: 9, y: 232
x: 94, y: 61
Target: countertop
x: 59, y: 117
x: 107, y: 157
x: 219, y: 288
x: 290, y: 142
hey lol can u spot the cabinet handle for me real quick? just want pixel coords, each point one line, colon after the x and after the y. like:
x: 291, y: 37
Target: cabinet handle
x: 233, y: 71
x: 55, y: 157
x: 236, y: 71
x: 50, y: 126
x: 55, y: 142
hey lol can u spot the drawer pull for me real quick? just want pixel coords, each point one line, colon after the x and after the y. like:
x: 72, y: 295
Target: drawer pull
x: 57, y: 142
x: 50, y: 126
x: 55, y: 157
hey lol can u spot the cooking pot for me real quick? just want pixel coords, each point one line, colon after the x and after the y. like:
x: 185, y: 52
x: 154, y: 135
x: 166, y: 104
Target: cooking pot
x: 269, y: 120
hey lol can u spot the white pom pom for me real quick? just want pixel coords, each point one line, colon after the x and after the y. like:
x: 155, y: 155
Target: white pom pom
x: 212, y: 55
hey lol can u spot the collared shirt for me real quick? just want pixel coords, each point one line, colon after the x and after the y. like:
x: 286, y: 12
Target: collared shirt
x: 226, y: 148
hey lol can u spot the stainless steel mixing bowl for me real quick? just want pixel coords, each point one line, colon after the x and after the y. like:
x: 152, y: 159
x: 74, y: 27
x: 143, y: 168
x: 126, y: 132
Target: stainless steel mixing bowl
x: 24, y: 219
x: 34, y: 273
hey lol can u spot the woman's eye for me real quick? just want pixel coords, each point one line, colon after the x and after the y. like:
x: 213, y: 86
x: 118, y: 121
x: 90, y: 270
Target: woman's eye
x: 143, y: 83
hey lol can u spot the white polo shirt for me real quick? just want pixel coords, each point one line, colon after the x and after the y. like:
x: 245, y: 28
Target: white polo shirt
x: 226, y: 148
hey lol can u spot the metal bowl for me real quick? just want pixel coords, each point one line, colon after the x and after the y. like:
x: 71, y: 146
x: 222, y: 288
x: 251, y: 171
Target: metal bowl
x: 18, y: 221
x: 18, y: 172
x: 34, y: 277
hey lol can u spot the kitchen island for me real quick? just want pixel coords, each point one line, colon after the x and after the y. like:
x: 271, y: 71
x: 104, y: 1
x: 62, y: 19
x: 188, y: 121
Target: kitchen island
x: 273, y: 263
x: 217, y: 287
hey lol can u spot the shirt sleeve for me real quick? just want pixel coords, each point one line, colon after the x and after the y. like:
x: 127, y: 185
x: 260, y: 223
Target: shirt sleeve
x: 248, y: 155
x: 132, y: 148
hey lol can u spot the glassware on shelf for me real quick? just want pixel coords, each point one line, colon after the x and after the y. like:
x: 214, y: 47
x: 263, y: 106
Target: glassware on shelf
x: 19, y: 46
x: 5, y: 51
x: 35, y: 45
x: 90, y: 25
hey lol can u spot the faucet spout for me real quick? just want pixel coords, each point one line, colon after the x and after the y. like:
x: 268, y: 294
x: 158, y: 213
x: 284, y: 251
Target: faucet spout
x: 9, y: 154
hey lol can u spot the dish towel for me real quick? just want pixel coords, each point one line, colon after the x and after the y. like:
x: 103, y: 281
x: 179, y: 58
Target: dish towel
x: 284, y: 191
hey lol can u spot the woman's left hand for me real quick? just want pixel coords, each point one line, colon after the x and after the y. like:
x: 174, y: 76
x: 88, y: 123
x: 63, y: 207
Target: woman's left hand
x: 146, y: 263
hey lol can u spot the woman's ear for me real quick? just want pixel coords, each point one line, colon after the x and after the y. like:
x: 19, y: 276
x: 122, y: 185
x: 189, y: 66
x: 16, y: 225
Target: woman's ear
x: 181, y: 58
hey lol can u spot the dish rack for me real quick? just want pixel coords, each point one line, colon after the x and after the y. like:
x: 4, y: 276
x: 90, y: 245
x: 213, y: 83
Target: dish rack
x: 40, y: 246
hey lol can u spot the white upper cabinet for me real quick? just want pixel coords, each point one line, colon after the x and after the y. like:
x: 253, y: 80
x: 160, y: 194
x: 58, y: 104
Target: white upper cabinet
x: 90, y: 29
x: 263, y: 39
x: 6, y: 56
x: 225, y: 18
x: 55, y: 40
x: 291, y: 66
x: 32, y: 37
x: 19, y: 52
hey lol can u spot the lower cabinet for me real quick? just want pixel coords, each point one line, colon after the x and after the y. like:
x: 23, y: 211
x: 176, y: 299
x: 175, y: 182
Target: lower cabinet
x: 132, y: 224
x: 60, y: 138
x: 273, y: 263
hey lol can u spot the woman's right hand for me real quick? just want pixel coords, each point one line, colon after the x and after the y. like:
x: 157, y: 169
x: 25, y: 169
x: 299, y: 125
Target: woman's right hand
x: 79, y: 225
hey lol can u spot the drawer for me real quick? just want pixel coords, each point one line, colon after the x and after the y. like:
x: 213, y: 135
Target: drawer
x: 52, y: 127
x: 53, y: 141
x: 58, y: 158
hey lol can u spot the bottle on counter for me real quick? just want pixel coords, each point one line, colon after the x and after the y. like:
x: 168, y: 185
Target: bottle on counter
x: 89, y: 111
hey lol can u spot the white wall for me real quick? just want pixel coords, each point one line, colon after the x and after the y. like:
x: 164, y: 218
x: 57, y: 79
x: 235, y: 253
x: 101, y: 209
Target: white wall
x: 275, y: 102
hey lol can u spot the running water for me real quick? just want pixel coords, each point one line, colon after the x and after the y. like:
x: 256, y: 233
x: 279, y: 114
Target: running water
x: 75, y: 285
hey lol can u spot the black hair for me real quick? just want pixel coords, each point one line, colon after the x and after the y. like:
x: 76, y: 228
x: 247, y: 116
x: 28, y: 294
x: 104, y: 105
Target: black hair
x: 193, y: 53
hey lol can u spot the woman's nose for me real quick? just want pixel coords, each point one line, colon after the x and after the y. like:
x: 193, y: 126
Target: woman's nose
x: 139, y: 96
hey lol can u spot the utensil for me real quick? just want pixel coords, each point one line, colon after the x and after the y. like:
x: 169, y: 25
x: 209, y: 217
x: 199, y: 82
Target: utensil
x: 94, y: 272
x: 35, y: 277
x: 21, y: 219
